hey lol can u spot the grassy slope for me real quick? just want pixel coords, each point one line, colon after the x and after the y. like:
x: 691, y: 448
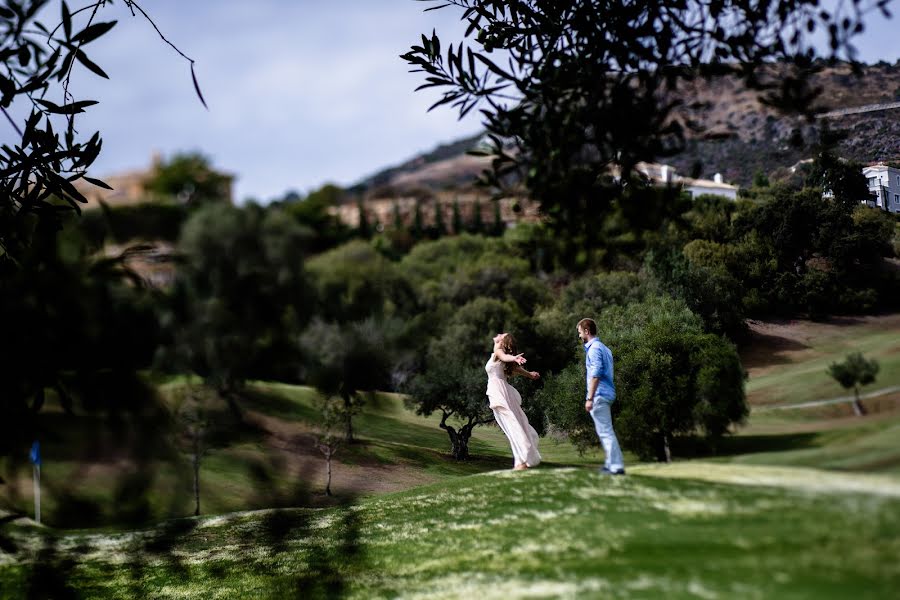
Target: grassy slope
x: 560, y: 533
x: 787, y: 365
x: 794, y: 370
x: 270, y: 463
x: 274, y: 464
x: 866, y: 444
x: 696, y: 528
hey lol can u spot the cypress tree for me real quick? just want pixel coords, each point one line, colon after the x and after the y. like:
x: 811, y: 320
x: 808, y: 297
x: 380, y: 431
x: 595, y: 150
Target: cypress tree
x: 457, y: 218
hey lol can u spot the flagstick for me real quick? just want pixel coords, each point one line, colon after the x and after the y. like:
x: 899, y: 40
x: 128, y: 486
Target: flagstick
x: 37, y: 493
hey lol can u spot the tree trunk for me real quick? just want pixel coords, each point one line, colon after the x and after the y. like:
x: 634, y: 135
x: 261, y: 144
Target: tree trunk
x: 229, y: 393
x: 328, y: 450
x: 196, y: 474
x: 348, y: 435
x: 459, y: 446
x: 459, y: 440
x: 664, y: 452
x: 328, y: 454
x: 858, y: 409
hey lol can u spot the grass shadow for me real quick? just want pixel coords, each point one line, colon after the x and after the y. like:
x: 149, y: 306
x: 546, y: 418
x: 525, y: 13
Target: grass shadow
x: 767, y: 350
x: 697, y: 447
x: 274, y: 404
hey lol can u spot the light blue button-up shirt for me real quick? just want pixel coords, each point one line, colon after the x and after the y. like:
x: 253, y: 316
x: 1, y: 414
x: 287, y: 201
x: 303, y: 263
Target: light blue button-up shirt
x: 598, y: 362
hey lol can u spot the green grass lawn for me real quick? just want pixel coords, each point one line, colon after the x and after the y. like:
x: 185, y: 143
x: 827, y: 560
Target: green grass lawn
x: 798, y: 504
x: 96, y: 476
x: 865, y: 445
x: 800, y: 375
x: 660, y: 532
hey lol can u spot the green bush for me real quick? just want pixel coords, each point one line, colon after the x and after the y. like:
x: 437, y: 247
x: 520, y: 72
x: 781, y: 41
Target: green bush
x: 355, y: 281
x: 671, y: 378
x: 711, y: 291
x: 703, y: 253
x: 456, y: 270
x: 590, y: 294
x: 562, y: 399
x: 709, y: 217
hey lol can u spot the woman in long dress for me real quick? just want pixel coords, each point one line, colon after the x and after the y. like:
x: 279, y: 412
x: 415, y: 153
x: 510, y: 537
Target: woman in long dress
x: 506, y: 402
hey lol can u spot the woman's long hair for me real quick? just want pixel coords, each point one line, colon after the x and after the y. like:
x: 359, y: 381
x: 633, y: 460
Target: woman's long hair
x: 508, y: 345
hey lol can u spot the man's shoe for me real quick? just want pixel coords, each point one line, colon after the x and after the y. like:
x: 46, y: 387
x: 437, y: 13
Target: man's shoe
x: 606, y: 471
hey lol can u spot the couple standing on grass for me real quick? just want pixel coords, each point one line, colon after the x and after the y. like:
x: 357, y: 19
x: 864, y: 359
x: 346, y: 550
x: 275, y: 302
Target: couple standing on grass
x: 506, y: 402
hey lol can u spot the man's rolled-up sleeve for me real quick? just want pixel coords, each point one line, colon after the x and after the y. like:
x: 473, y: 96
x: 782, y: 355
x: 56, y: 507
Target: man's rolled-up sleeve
x: 595, y: 362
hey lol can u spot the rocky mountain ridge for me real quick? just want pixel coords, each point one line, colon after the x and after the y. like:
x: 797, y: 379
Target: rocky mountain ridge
x: 738, y: 134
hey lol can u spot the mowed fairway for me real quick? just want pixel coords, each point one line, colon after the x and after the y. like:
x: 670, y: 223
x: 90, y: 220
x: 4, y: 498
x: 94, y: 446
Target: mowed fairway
x: 546, y: 533
x: 788, y: 361
x: 787, y: 365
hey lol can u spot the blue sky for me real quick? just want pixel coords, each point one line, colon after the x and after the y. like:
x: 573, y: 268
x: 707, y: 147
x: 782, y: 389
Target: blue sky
x: 300, y: 92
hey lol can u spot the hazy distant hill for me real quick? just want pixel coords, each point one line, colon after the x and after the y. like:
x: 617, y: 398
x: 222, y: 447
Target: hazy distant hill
x: 738, y: 136
x: 449, y: 164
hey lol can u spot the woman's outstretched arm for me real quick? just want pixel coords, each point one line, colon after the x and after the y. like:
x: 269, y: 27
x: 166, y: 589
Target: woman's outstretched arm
x: 529, y: 374
x: 509, y: 358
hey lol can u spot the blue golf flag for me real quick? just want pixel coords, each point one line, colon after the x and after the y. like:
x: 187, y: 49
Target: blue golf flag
x: 35, y: 454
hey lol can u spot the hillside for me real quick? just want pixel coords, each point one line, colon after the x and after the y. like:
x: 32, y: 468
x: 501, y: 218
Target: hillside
x: 271, y: 459
x: 738, y: 134
x: 451, y: 166
x: 410, y: 522
x: 684, y: 531
x: 760, y: 139
x: 787, y: 361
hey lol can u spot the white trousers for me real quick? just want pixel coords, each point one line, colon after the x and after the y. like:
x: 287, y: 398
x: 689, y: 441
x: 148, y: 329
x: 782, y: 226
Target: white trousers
x: 604, y: 426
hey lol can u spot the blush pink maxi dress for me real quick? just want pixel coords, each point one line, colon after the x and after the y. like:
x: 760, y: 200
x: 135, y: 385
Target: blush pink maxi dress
x: 506, y: 403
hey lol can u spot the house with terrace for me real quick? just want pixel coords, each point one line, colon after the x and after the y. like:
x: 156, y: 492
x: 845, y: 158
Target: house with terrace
x: 884, y: 186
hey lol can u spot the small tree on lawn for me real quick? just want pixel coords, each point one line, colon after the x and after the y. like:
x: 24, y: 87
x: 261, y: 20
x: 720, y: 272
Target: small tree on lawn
x: 348, y: 359
x: 855, y: 371
x: 191, y: 416
x: 452, y: 385
x: 328, y: 439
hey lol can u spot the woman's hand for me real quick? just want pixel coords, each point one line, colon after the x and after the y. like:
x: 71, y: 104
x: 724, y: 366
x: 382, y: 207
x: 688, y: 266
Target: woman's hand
x: 520, y: 360
x: 534, y: 375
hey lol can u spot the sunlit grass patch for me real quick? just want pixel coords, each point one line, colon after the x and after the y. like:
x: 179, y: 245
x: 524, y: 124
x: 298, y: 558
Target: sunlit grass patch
x: 795, y: 478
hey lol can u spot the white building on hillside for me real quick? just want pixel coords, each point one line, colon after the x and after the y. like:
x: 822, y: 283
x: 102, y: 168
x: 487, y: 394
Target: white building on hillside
x: 884, y: 185
x: 716, y: 187
x: 666, y: 175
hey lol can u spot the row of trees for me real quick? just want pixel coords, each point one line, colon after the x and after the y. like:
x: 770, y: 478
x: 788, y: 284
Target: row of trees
x: 418, y: 229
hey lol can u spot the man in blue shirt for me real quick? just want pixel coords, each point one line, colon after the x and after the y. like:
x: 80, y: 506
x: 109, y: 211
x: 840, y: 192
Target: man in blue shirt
x: 601, y: 392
